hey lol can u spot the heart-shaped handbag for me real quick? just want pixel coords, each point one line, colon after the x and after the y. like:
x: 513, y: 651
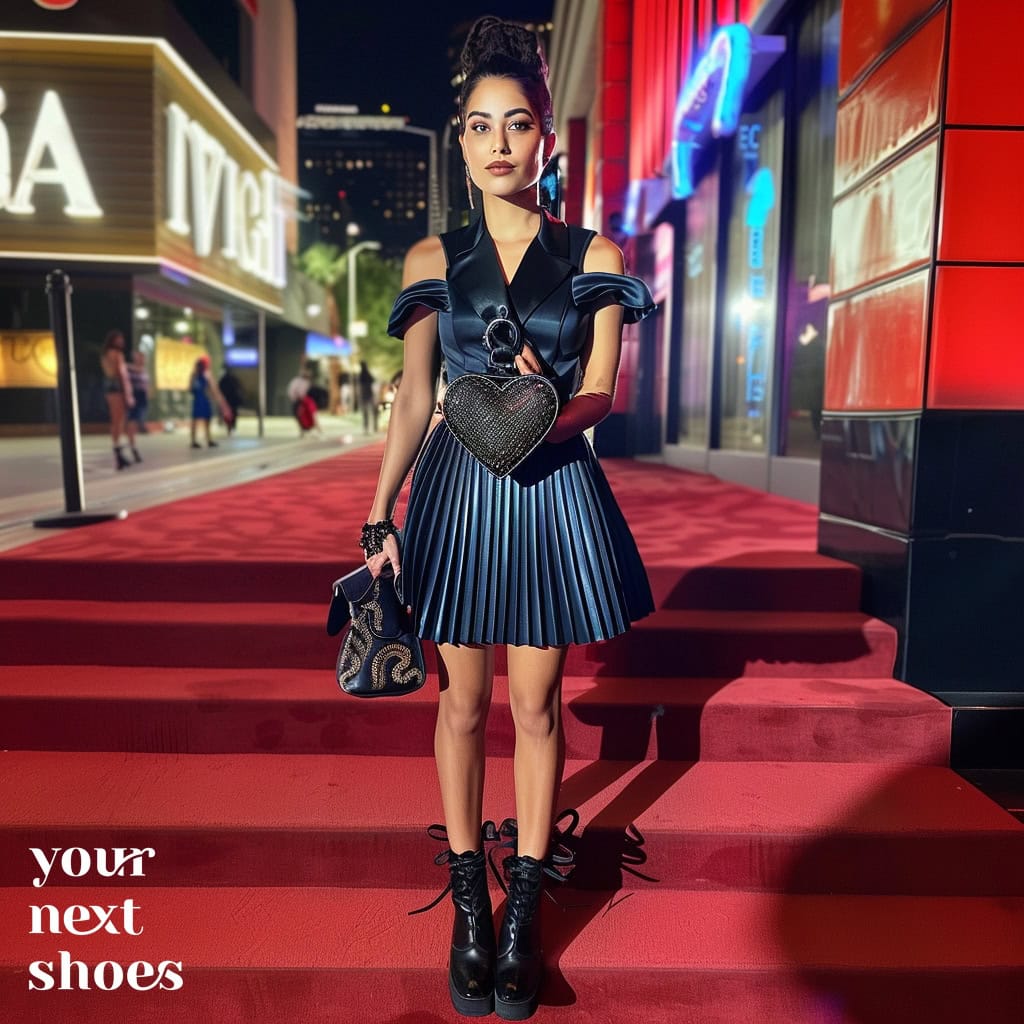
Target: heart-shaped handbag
x: 381, y: 656
x: 500, y: 420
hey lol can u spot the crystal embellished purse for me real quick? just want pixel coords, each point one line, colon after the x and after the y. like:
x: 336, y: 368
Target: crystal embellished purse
x: 500, y: 418
x: 380, y: 656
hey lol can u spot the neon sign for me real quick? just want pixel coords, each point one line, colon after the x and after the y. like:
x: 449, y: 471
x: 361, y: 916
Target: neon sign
x: 753, y: 315
x: 247, y: 208
x: 710, y: 101
x: 53, y: 143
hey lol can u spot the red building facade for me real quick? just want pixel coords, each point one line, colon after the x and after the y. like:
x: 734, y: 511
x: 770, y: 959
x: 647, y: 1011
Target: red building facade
x: 823, y: 195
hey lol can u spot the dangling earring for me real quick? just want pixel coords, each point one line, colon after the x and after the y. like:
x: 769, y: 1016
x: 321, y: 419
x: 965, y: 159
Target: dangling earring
x: 469, y: 189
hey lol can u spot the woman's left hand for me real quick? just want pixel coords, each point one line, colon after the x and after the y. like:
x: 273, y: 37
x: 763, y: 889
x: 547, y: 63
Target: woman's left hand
x: 528, y: 361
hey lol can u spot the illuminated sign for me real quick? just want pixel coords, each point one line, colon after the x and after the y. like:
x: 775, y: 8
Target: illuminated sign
x: 241, y: 355
x: 318, y: 345
x: 52, y: 158
x: 710, y: 101
x: 56, y: 5
x: 753, y: 309
x: 246, y: 207
x: 113, y: 151
x: 28, y: 359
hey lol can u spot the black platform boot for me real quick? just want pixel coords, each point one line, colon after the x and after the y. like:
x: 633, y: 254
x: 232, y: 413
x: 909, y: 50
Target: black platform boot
x: 120, y: 462
x: 520, y: 960
x: 471, y: 966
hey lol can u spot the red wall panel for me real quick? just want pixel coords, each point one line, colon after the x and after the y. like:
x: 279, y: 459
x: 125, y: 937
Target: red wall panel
x: 977, y: 352
x: 705, y: 24
x: 611, y: 141
x: 984, y: 63
x: 575, y: 189
x: 897, y: 102
x: 876, y: 347
x: 869, y: 28
x: 885, y: 226
x: 726, y: 13
x: 982, y: 198
x: 749, y: 10
x: 687, y: 43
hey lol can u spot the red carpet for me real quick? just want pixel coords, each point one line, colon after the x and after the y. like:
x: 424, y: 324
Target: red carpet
x: 771, y: 833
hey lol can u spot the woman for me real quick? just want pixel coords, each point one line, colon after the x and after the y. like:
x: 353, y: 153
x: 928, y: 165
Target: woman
x: 202, y: 385
x: 536, y: 560
x: 117, y: 391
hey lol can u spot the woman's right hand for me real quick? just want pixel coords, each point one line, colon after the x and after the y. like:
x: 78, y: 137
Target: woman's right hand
x: 375, y: 563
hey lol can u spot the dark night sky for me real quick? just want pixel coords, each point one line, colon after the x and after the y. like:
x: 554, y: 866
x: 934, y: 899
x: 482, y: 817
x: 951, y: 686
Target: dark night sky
x: 389, y: 51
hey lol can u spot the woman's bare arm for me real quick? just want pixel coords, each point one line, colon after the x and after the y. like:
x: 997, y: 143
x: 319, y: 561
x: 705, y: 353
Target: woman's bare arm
x: 126, y: 381
x: 416, y: 397
x: 600, y: 356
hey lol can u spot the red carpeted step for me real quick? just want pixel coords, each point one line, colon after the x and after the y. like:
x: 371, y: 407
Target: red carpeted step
x: 268, y: 819
x: 170, y: 633
x: 200, y: 710
x: 327, y: 954
x: 766, y: 580
x: 730, y: 644
x: 667, y: 643
x: 155, y: 578
x: 824, y: 719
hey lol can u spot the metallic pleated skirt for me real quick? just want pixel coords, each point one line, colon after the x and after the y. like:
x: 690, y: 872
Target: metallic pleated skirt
x: 540, y: 558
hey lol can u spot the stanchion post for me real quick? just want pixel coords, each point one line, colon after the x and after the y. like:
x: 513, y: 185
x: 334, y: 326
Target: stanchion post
x: 58, y: 294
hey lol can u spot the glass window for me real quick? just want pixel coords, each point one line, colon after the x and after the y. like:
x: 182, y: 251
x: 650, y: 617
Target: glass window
x: 752, y: 271
x: 698, y: 311
x: 806, y: 318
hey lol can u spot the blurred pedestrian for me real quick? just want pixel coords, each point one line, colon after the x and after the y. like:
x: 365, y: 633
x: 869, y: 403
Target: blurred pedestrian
x: 231, y: 388
x: 139, y: 379
x: 303, y: 405
x: 117, y: 390
x: 203, y: 386
x: 368, y: 397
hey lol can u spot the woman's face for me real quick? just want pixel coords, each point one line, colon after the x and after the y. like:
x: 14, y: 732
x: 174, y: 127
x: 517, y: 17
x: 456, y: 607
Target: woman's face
x: 502, y: 142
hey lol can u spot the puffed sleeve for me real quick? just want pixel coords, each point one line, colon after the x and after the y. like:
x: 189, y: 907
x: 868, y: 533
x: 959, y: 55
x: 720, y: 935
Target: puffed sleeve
x: 432, y: 293
x: 594, y: 291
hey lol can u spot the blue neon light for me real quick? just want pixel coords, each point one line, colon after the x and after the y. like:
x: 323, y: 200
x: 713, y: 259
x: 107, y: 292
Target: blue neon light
x: 241, y: 355
x: 318, y: 345
x: 629, y: 219
x: 761, y: 189
x: 710, y: 101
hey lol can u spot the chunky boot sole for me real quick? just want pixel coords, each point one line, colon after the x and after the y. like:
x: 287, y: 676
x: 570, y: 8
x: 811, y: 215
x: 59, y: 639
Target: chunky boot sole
x: 472, y: 1006
x: 515, y: 1011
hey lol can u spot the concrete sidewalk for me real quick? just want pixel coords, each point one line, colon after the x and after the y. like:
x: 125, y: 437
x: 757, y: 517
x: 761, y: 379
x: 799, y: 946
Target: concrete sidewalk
x: 31, y: 483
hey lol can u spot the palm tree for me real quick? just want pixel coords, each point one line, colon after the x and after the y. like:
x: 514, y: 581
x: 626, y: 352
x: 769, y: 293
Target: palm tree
x: 322, y: 263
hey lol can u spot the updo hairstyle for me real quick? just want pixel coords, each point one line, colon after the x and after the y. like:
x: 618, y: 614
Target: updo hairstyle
x: 501, y: 49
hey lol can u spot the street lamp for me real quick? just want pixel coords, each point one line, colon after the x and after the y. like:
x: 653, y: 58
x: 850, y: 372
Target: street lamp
x: 351, y: 274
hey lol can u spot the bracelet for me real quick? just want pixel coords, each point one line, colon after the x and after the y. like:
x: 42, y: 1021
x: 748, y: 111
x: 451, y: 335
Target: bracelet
x: 371, y: 539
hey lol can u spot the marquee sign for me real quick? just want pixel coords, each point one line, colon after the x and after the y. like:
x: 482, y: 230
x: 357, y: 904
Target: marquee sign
x: 113, y: 151
x: 243, y: 208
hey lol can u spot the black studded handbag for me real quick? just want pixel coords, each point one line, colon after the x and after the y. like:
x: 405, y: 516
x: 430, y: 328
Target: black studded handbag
x: 380, y: 656
x: 502, y: 417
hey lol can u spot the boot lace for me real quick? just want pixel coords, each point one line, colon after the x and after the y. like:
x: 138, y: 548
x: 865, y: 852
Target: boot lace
x: 524, y: 878
x: 493, y: 838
